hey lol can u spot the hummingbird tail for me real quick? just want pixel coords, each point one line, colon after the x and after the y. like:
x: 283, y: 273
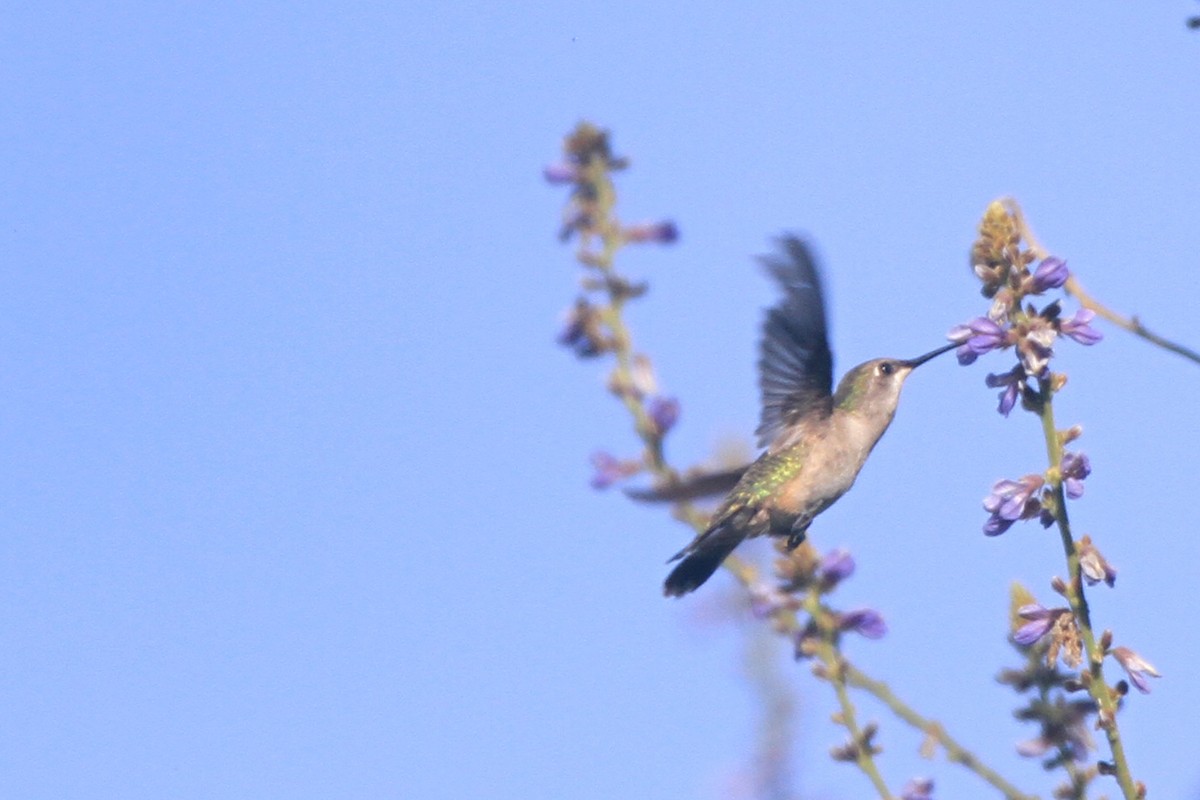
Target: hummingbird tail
x: 701, y: 560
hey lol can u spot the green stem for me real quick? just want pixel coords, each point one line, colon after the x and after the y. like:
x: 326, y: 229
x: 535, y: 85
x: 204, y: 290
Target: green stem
x: 611, y: 240
x: 1107, y: 699
x: 955, y: 752
x: 788, y: 624
x: 836, y: 673
x: 1131, y: 324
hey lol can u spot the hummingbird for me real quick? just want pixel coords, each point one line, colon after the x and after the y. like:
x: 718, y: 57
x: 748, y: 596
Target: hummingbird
x: 816, y: 439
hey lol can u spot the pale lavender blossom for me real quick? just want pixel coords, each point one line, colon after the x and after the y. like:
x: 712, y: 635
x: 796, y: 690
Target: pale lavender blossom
x: 1013, y: 382
x: 1050, y: 274
x: 917, y: 789
x: 766, y: 600
x: 1077, y: 327
x: 1034, y: 748
x: 1011, y: 501
x: 864, y: 621
x: 664, y: 232
x: 1038, y: 622
x: 1074, y: 468
x: 975, y: 338
x: 1136, y: 667
x: 609, y: 469
x: 836, y: 566
x: 663, y: 413
x: 561, y: 173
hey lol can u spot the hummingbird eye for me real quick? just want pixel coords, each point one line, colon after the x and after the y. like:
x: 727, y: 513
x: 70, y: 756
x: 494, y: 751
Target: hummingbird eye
x: 887, y: 368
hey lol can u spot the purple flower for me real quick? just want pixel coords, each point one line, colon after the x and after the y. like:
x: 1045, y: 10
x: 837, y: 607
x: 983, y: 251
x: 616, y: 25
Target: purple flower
x: 864, y: 621
x: 1078, y: 329
x: 577, y: 220
x: 1011, y: 501
x: 1136, y: 667
x: 996, y: 526
x: 1074, y: 468
x: 1050, y: 274
x: 917, y: 789
x: 1094, y: 566
x: 664, y: 413
x: 581, y: 330
x: 836, y: 566
x: 664, y: 232
x: 1038, y: 622
x: 1012, y: 381
x: 1034, y: 748
x: 610, y: 469
x: 766, y: 600
x: 976, y: 338
x: 561, y: 173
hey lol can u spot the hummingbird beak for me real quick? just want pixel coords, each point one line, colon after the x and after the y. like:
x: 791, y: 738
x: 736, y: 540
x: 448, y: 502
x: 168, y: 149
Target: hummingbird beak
x: 919, y: 360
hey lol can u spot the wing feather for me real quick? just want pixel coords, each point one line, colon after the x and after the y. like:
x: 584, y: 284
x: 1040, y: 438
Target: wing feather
x: 795, y: 364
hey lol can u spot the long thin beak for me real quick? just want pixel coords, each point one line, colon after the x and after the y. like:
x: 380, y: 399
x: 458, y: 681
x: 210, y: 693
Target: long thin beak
x: 918, y: 361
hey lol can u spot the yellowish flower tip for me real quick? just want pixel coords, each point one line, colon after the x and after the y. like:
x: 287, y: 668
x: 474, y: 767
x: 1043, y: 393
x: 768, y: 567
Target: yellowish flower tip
x: 586, y: 139
x: 997, y: 251
x: 997, y: 217
x: 1018, y: 596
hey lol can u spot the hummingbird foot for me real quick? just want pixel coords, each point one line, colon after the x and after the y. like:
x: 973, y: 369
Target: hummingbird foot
x: 796, y: 538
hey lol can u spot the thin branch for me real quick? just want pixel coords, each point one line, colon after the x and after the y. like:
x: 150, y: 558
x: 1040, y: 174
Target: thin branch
x: 955, y: 752
x: 1076, y: 290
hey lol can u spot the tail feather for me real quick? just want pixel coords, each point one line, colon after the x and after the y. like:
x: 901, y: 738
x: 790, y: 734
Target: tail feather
x: 701, y: 559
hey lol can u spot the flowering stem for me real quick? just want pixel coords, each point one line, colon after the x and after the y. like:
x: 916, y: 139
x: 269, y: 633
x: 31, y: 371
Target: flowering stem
x: 835, y: 672
x: 1107, y: 699
x: 787, y: 624
x: 597, y: 174
x: 955, y: 752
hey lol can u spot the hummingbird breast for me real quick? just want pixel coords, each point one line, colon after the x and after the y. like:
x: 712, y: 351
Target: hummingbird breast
x: 832, y: 459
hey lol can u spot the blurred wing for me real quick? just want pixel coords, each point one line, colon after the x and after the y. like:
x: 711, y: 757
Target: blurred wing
x: 795, y: 365
x: 691, y: 487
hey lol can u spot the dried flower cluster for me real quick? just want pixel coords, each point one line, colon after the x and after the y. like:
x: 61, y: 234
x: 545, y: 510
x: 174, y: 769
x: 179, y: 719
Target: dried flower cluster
x: 1002, y: 265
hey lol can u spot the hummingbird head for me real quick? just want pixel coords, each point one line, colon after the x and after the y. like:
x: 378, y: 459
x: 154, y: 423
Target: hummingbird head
x: 872, y: 389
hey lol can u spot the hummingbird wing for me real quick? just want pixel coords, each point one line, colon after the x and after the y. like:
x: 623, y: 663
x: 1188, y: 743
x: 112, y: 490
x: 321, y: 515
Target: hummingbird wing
x: 795, y: 365
x: 705, y: 484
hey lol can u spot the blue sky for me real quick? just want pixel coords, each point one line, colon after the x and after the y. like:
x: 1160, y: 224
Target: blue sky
x: 295, y: 492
